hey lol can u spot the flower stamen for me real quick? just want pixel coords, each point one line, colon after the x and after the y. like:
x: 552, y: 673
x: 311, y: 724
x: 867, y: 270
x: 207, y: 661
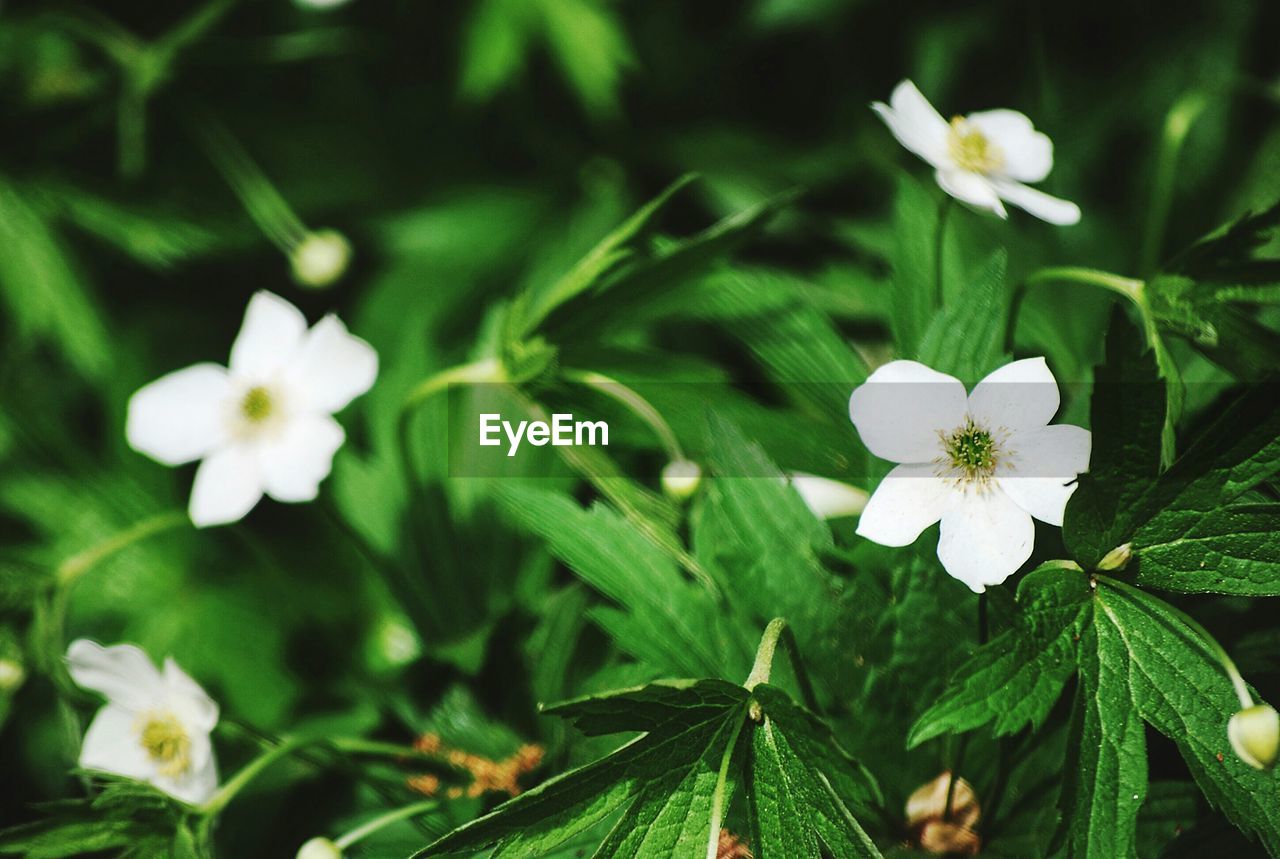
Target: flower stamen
x: 257, y: 405
x: 971, y: 453
x: 166, y: 741
x: 971, y: 149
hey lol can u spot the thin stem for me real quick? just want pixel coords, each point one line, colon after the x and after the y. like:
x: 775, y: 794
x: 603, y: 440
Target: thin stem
x: 637, y: 404
x: 248, y: 773
x: 80, y: 563
x: 1129, y: 287
x: 721, y: 791
x: 1177, y: 125
x: 385, y: 820
x: 778, y: 632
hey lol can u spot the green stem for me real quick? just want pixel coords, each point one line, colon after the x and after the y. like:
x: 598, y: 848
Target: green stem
x: 248, y: 773
x: 964, y: 738
x: 778, y: 632
x: 385, y: 820
x: 1177, y: 125
x: 637, y: 404
x: 1129, y: 287
x: 721, y: 791
x: 71, y: 569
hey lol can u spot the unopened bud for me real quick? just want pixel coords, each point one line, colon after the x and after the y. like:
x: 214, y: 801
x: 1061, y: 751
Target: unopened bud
x: 320, y: 258
x: 681, y: 478
x: 11, y: 675
x: 1116, y: 559
x: 320, y: 848
x: 1255, y: 735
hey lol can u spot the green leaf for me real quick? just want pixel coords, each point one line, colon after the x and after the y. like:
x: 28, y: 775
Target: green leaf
x: 531, y: 309
x: 672, y: 785
x: 915, y: 221
x: 966, y: 338
x: 1108, y: 771
x: 42, y: 289
x: 663, y: 618
x: 1018, y: 676
x: 1231, y: 550
x: 1179, y: 687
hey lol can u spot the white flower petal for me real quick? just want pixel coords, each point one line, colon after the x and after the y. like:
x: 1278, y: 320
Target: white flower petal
x: 333, y: 367
x: 122, y: 673
x: 269, y: 338
x: 227, y: 486
x: 180, y: 417
x: 1039, y: 471
x: 1027, y: 153
x: 985, y: 538
x: 901, y: 408
x: 971, y: 188
x: 907, y: 501
x: 112, y: 745
x: 1064, y: 213
x: 294, y: 463
x: 188, y: 700
x: 1018, y: 397
x: 195, y: 786
x: 828, y: 499
x: 915, y: 123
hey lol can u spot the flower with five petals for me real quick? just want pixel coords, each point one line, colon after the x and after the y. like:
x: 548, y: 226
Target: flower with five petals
x: 983, y: 463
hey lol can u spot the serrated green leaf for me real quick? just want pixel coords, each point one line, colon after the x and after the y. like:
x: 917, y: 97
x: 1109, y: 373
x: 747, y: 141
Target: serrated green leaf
x: 1107, y: 778
x: 1230, y: 550
x: 670, y: 622
x: 1017, y: 677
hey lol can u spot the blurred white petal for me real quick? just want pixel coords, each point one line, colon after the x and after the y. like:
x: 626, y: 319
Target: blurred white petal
x: 1052, y: 209
x: 294, y: 463
x: 333, y: 367
x: 828, y: 499
x: 227, y: 486
x: 971, y: 188
x: 182, y: 416
x: 112, y: 745
x: 269, y: 338
x: 1027, y: 154
x: 188, y: 699
x: 122, y: 673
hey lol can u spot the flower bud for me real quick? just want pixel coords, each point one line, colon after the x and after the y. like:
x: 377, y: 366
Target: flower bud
x: 319, y: 848
x: 1116, y: 559
x: 681, y: 478
x: 320, y: 258
x: 1255, y: 735
x: 11, y: 675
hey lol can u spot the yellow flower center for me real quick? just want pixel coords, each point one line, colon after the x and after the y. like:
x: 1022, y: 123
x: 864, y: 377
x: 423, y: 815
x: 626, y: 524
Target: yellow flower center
x: 971, y: 149
x: 257, y: 405
x: 167, y: 743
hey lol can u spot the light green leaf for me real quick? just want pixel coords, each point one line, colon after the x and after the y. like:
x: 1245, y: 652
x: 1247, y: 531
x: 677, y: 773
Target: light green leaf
x: 966, y: 338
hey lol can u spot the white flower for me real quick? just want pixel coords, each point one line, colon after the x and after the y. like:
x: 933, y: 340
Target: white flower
x: 979, y: 159
x: 155, y: 726
x: 319, y: 848
x: 1254, y: 733
x: 826, y: 498
x: 681, y: 479
x: 983, y: 463
x: 265, y: 424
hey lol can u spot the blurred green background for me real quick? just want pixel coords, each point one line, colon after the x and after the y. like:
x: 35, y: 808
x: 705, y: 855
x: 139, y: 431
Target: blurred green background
x: 467, y: 150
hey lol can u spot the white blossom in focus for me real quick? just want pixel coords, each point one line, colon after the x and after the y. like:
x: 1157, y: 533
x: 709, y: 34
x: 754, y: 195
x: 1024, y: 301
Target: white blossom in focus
x: 155, y: 726
x: 982, y: 463
x: 263, y: 425
x: 984, y: 159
